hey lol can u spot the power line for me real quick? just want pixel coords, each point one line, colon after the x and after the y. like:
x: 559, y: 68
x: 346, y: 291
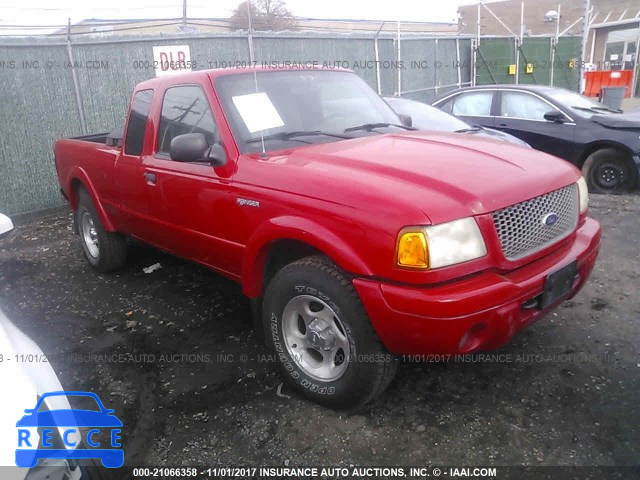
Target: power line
x: 154, y: 6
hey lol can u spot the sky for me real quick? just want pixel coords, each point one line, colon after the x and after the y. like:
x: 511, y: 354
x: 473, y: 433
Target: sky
x: 47, y: 12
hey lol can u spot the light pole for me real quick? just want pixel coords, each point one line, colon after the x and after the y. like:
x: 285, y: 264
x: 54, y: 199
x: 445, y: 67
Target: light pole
x: 583, y: 47
x: 554, y: 46
x: 184, y: 12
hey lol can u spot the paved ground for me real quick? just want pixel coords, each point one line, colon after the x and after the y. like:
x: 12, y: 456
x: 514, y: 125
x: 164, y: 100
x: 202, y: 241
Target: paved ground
x: 630, y: 103
x: 564, y: 392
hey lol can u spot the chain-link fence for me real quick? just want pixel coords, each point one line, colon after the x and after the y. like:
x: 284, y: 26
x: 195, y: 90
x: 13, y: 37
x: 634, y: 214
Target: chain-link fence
x: 50, y: 90
x: 538, y: 60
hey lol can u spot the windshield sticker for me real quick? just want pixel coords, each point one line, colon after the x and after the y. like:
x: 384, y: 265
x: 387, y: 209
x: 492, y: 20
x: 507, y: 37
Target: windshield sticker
x: 257, y: 112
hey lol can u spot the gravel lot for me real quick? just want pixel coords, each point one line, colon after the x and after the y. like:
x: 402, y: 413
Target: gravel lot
x: 564, y: 392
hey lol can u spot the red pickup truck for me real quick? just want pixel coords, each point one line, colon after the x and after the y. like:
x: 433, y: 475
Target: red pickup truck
x: 357, y: 238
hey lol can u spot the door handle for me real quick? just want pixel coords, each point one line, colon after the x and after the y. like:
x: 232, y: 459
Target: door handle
x: 502, y: 124
x: 150, y: 178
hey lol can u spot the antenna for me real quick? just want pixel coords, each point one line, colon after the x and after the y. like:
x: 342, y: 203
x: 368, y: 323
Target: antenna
x: 255, y: 75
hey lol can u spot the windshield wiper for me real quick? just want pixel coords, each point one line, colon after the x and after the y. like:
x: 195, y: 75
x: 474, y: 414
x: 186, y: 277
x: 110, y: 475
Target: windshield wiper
x: 475, y: 128
x: 367, y: 127
x: 296, y: 133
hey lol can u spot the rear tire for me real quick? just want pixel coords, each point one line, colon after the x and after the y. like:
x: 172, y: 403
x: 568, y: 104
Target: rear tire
x: 105, y: 251
x: 609, y: 171
x: 325, y: 344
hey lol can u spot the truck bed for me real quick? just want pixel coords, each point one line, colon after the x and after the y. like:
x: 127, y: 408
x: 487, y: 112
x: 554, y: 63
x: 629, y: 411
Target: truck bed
x: 112, y: 138
x: 91, y: 157
x: 94, y: 137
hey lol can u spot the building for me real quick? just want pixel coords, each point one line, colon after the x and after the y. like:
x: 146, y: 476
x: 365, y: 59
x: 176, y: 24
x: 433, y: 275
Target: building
x: 614, y: 35
x: 101, y: 28
x: 613, y: 39
x: 536, y: 20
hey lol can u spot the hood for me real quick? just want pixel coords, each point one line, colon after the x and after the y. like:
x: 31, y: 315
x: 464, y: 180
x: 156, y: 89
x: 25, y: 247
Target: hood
x: 444, y: 176
x: 502, y: 136
x: 618, y: 120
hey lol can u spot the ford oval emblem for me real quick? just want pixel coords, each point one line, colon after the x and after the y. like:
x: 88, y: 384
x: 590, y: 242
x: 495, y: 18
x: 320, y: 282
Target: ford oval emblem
x: 550, y: 219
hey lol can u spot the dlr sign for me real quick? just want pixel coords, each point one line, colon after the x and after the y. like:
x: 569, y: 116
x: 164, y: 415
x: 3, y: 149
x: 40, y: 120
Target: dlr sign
x: 171, y: 59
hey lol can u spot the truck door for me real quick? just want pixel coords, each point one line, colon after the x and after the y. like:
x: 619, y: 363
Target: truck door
x: 190, y: 201
x: 133, y: 202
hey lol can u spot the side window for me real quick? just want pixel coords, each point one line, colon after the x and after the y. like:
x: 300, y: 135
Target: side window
x: 185, y: 109
x: 137, y: 122
x: 473, y: 103
x: 523, y: 105
x: 447, y: 106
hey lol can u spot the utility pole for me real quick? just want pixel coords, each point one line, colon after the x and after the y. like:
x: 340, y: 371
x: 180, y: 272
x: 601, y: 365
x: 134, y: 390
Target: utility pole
x: 184, y: 12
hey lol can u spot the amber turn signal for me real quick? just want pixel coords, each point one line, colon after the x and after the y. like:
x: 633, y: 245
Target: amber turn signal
x: 412, y: 250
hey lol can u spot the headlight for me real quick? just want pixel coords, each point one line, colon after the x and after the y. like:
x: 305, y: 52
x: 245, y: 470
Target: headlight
x: 583, y: 192
x: 441, y: 245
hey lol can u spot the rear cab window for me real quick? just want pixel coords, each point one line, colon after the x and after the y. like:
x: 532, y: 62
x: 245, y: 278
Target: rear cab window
x: 137, y: 123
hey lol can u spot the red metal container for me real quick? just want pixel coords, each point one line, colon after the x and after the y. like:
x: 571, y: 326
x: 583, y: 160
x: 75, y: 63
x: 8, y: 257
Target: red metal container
x: 595, y: 80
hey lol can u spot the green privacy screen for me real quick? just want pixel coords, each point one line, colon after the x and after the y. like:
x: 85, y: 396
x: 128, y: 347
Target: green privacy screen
x: 37, y: 107
x: 496, y: 54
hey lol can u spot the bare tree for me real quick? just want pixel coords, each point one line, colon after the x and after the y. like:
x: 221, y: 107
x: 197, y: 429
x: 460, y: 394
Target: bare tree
x: 266, y: 15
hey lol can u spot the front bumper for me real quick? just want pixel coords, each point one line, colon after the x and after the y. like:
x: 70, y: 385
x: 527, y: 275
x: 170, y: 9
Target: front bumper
x: 480, y: 312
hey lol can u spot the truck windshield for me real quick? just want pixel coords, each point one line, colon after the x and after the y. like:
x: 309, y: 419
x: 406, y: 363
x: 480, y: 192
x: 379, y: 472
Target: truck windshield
x: 324, y: 103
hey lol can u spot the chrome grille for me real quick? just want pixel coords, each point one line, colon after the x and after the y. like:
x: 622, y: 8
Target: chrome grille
x: 521, y: 227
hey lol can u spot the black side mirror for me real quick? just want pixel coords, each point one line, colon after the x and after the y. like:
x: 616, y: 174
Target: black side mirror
x: 190, y: 147
x: 405, y: 120
x: 217, y: 155
x: 555, y: 116
x: 193, y: 147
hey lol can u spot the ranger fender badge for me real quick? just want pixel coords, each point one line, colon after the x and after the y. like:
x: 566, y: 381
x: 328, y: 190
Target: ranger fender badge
x: 249, y: 203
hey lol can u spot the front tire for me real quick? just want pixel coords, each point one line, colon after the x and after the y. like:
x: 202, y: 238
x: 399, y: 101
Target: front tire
x: 609, y: 171
x: 325, y: 344
x: 105, y: 251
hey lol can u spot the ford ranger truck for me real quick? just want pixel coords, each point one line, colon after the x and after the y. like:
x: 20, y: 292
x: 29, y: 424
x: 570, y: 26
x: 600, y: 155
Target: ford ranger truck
x: 357, y: 238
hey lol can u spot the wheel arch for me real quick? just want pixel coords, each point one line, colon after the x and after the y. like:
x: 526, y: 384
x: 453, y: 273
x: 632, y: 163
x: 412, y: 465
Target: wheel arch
x: 287, y: 239
x: 78, y: 179
x: 600, y: 145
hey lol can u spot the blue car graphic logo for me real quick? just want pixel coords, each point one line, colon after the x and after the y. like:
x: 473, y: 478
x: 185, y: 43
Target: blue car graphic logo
x: 70, y: 421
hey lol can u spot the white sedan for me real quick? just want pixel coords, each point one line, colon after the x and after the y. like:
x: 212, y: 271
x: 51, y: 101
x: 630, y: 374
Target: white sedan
x: 26, y: 381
